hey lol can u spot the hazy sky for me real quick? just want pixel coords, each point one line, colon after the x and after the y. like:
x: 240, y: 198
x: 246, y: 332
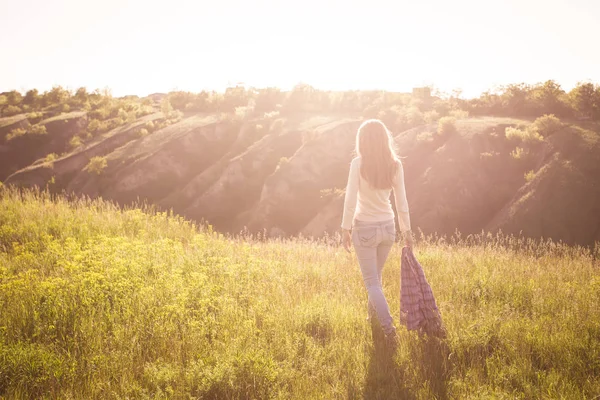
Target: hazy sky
x: 145, y: 46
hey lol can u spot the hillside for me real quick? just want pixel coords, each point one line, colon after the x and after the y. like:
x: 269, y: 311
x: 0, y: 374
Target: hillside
x: 99, y: 302
x: 285, y: 175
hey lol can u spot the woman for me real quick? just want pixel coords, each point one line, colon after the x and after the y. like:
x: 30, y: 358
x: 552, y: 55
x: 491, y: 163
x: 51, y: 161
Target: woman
x: 368, y: 213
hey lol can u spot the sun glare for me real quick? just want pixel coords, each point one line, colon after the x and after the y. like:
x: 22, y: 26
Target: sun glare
x: 137, y: 47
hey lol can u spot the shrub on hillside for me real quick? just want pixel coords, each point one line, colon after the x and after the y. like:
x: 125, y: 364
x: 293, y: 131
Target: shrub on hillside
x: 96, y: 165
x: 11, y: 110
x: 75, y: 142
x: 131, y: 117
x: 111, y: 124
x: 446, y: 126
x: 94, y: 126
x: 283, y: 161
x: 548, y: 124
x: 122, y: 114
x: 37, y: 130
x: 528, y: 135
x: 529, y: 175
x: 166, y: 107
x: 149, y: 126
x: 49, y: 160
x: 100, y: 113
x: 15, y: 133
x: 35, y: 117
x: 143, y: 132
x: 519, y: 153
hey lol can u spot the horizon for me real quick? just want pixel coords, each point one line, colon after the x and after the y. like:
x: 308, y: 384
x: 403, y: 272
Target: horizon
x: 140, y: 48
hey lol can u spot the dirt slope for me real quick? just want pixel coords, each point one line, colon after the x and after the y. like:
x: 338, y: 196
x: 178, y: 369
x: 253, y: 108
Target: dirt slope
x: 287, y: 176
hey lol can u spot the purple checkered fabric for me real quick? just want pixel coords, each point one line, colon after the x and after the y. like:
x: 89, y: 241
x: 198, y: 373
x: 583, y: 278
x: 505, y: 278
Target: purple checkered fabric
x: 418, y: 310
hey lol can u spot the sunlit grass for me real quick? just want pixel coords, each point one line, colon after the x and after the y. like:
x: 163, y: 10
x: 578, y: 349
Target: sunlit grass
x: 96, y: 302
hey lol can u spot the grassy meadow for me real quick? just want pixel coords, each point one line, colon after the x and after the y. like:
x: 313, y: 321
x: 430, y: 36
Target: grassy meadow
x: 99, y: 302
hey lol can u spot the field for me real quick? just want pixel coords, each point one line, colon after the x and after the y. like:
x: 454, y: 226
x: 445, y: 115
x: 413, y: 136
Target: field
x: 99, y: 302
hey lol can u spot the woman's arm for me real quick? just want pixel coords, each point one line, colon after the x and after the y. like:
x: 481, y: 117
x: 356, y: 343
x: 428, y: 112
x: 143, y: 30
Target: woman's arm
x: 351, y: 195
x: 401, y: 201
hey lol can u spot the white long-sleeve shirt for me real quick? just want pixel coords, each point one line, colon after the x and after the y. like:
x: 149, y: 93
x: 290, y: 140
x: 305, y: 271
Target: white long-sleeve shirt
x: 364, y: 203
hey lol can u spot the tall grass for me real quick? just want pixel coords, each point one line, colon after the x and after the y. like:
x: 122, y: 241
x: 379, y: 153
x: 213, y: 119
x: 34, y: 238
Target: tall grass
x: 98, y: 302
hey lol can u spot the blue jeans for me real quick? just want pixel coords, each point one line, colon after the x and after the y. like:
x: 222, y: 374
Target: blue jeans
x: 373, y: 242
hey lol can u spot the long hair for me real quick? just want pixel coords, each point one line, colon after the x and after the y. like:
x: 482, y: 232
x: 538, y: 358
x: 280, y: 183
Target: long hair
x: 374, y: 144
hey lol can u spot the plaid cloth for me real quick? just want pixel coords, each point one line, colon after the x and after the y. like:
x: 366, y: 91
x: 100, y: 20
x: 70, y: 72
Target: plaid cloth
x: 418, y: 310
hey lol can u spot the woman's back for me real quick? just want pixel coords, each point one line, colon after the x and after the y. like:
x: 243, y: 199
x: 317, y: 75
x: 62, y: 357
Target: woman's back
x: 365, y: 203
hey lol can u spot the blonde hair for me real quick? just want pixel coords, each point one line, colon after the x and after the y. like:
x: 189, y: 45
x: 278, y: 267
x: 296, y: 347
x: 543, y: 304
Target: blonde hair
x: 375, y: 146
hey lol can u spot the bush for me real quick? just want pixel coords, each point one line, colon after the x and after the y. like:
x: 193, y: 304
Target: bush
x: 49, y: 160
x: 122, y: 114
x: 101, y: 113
x: 283, y: 161
x: 519, y: 153
x: 94, y: 126
x: 38, y: 130
x: 166, y: 107
x: 528, y: 135
x: 131, y: 117
x: 548, y: 124
x: 15, y: 133
x: 35, y: 117
x: 446, y: 126
x: 529, y: 175
x: 96, y: 165
x: 111, y: 124
x: 143, y: 132
x: 75, y: 142
x: 11, y: 110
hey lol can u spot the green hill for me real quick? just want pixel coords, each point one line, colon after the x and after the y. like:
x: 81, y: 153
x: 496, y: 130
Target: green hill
x: 98, y: 302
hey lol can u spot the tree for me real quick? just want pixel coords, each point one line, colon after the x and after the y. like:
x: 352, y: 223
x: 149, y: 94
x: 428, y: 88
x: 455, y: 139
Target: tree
x: 550, y: 98
x: 267, y: 99
x: 14, y: 98
x: 166, y: 107
x: 32, y: 98
x: 57, y: 95
x: 11, y: 110
x: 516, y: 99
x: 235, y: 97
x: 585, y: 98
x: 81, y: 97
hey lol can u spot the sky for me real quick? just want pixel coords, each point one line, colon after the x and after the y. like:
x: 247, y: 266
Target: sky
x: 146, y: 46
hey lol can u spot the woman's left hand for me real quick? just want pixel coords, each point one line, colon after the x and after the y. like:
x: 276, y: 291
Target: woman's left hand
x: 346, y: 240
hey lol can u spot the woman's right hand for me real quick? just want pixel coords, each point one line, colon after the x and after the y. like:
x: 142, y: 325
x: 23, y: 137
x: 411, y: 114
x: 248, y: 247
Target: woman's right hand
x: 346, y: 239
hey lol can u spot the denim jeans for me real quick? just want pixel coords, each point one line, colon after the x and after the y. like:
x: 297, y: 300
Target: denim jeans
x: 372, y: 242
